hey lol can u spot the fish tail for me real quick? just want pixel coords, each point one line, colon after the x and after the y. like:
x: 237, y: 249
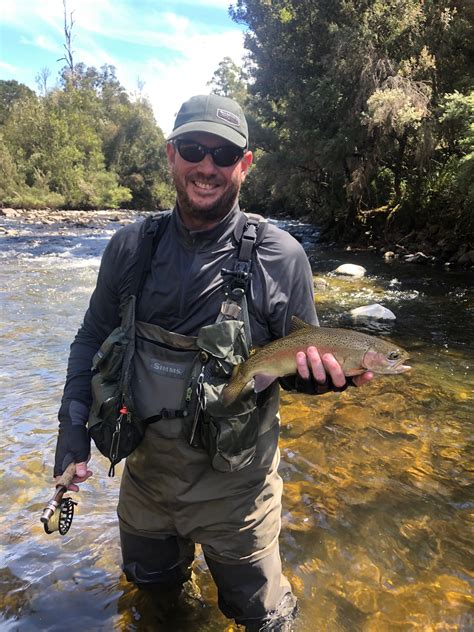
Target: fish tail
x: 235, y: 386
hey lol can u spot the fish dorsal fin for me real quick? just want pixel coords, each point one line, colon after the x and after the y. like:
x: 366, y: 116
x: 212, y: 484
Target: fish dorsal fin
x: 297, y: 324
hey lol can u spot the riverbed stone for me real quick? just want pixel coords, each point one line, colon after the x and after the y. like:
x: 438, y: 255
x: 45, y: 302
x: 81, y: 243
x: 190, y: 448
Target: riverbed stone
x: 418, y: 257
x: 10, y: 212
x: 376, y: 311
x: 467, y: 259
x: 73, y: 217
x: 351, y: 269
x: 320, y: 283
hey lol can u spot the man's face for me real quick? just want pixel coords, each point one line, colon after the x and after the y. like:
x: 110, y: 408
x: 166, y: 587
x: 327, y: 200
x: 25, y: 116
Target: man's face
x: 206, y: 192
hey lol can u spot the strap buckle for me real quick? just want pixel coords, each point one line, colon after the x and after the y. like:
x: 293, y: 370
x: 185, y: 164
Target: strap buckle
x: 230, y: 309
x: 236, y: 279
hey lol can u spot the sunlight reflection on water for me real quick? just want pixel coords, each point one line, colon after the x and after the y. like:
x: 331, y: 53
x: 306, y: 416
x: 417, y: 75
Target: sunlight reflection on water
x: 376, y: 533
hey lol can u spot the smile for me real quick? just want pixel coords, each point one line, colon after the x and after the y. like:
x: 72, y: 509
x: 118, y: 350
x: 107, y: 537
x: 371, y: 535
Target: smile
x: 204, y: 185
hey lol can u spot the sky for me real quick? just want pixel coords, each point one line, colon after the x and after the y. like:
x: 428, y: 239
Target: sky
x: 172, y: 47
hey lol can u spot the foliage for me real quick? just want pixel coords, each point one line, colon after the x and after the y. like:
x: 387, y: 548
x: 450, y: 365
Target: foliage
x: 229, y: 81
x: 84, y: 144
x: 451, y: 186
x: 10, y: 92
x: 361, y: 114
x: 361, y: 106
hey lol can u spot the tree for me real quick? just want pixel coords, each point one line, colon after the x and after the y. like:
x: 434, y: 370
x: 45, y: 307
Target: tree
x: 229, y: 80
x: 84, y: 144
x: 54, y: 142
x: 68, y: 56
x: 134, y: 147
x: 42, y: 80
x: 350, y: 94
x: 10, y: 92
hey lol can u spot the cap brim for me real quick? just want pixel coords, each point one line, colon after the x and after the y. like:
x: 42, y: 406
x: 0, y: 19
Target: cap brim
x: 227, y: 133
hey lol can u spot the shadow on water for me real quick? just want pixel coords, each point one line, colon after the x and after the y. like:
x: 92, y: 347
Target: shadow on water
x: 377, y: 521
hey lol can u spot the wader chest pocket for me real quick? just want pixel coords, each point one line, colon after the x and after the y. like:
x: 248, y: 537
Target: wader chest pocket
x: 229, y: 434
x: 162, y: 372
x: 115, y: 433
x: 108, y: 360
x: 106, y: 395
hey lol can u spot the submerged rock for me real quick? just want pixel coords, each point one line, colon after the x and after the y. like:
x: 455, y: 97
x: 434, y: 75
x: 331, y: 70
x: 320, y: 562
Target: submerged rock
x: 418, y: 257
x: 376, y: 311
x: 351, y: 269
x: 467, y: 259
x: 320, y: 284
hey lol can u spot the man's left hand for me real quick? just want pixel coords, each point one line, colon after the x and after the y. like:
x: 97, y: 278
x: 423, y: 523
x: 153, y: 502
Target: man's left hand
x: 325, y: 366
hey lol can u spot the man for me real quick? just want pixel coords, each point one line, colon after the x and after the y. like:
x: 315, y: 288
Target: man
x: 174, y: 492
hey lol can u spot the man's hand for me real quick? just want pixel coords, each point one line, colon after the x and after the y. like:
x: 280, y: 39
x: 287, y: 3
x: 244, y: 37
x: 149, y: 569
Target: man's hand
x: 321, y: 367
x: 82, y: 474
x: 73, y: 443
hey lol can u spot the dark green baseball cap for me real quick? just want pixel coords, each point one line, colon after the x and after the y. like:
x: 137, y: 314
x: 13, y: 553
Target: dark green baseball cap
x: 213, y: 114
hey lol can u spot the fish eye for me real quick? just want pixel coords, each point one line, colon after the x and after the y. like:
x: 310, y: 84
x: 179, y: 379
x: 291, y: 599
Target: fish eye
x: 393, y: 355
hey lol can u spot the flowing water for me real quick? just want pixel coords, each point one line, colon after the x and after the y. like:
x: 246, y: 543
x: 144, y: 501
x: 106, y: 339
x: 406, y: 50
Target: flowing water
x: 377, y: 519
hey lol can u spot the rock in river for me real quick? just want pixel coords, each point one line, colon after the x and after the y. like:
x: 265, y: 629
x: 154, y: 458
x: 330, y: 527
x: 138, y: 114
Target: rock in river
x: 351, y: 269
x: 376, y: 311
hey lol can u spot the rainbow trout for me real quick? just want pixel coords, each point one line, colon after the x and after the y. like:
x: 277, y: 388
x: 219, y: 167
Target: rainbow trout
x: 356, y: 352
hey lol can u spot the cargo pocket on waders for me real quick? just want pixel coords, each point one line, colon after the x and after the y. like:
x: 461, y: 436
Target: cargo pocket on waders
x: 113, y: 424
x: 229, y: 434
x: 162, y: 363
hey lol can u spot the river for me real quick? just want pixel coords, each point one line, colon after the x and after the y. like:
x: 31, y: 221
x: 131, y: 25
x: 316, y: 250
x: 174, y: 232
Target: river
x: 377, y: 520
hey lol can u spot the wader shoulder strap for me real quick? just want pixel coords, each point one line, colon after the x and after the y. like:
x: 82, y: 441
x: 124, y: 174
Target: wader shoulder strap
x: 248, y: 233
x: 150, y: 234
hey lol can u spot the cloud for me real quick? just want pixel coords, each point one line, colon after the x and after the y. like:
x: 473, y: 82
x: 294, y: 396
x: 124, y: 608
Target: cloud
x: 169, y: 83
x: 158, y: 29
x: 91, y: 54
x: 187, y: 52
x: 9, y: 68
x: 218, y: 4
x: 32, y: 15
x: 180, y: 50
x: 44, y: 42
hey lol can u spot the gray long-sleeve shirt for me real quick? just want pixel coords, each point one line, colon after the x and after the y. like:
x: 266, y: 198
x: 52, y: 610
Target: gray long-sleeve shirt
x: 183, y: 291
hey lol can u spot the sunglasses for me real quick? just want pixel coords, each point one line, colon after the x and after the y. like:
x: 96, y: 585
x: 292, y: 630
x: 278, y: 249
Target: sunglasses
x: 224, y: 156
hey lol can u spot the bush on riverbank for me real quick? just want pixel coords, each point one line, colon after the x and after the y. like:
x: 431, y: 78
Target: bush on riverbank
x: 85, y: 144
x: 363, y: 116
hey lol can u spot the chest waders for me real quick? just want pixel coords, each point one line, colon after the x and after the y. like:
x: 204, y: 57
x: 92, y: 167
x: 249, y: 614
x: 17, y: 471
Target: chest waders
x: 146, y: 374
x: 113, y: 422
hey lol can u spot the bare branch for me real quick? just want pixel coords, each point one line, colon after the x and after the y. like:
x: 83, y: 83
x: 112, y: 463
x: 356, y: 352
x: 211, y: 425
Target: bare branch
x: 68, y: 57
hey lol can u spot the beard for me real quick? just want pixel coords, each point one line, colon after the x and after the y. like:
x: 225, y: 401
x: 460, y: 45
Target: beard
x: 205, y: 213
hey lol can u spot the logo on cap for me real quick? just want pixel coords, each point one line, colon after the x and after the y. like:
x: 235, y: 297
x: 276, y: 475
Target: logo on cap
x: 228, y: 117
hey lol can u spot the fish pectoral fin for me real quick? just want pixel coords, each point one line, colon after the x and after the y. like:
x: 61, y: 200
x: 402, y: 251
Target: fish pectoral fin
x: 355, y: 371
x: 263, y: 381
x: 297, y: 324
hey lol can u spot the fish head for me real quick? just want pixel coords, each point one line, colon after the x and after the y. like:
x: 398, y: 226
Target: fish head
x: 386, y: 358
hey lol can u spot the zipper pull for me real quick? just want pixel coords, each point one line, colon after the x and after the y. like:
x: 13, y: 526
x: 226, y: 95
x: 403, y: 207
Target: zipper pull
x: 114, y: 445
x: 200, y: 406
